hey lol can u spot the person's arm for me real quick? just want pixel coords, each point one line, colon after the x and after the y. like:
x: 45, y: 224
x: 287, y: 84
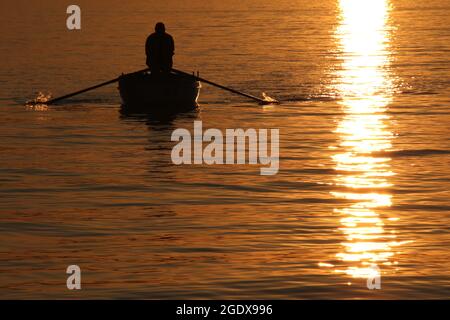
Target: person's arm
x: 147, y: 46
x: 172, y: 46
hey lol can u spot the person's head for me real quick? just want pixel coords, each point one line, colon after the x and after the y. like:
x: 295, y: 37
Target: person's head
x: 160, y: 28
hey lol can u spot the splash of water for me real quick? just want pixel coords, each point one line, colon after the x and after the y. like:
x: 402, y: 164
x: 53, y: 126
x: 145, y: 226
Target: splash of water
x: 39, y: 103
x: 41, y: 98
x: 268, y: 98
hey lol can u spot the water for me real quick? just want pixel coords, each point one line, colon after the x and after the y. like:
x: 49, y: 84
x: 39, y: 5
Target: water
x: 364, y: 174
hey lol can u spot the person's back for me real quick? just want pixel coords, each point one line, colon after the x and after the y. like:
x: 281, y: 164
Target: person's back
x: 159, y: 48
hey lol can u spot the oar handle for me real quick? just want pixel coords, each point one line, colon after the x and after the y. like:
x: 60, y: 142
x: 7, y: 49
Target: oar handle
x: 222, y: 87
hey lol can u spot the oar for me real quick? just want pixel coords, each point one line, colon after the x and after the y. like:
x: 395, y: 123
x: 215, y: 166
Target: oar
x: 52, y: 101
x: 262, y: 101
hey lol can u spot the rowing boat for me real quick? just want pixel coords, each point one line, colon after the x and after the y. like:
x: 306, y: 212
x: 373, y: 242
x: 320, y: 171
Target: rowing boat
x: 158, y: 93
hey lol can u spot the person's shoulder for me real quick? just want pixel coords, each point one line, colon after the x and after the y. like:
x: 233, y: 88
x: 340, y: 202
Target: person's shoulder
x: 150, y: 38
x: 168, y: 36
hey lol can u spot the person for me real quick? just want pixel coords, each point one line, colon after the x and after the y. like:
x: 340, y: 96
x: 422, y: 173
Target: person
x: 160, y: 49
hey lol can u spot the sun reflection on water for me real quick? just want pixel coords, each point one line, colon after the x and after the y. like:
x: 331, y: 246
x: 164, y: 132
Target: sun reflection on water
x: 365, y: 85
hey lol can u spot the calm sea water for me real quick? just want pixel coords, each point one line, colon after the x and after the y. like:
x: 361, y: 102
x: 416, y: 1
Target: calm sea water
x: 364, y: 180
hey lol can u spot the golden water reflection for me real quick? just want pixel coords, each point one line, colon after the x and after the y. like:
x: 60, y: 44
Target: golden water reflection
x: 363, y: 176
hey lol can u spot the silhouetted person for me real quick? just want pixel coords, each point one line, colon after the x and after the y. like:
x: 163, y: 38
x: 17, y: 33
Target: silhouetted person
x: 159, y: 48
